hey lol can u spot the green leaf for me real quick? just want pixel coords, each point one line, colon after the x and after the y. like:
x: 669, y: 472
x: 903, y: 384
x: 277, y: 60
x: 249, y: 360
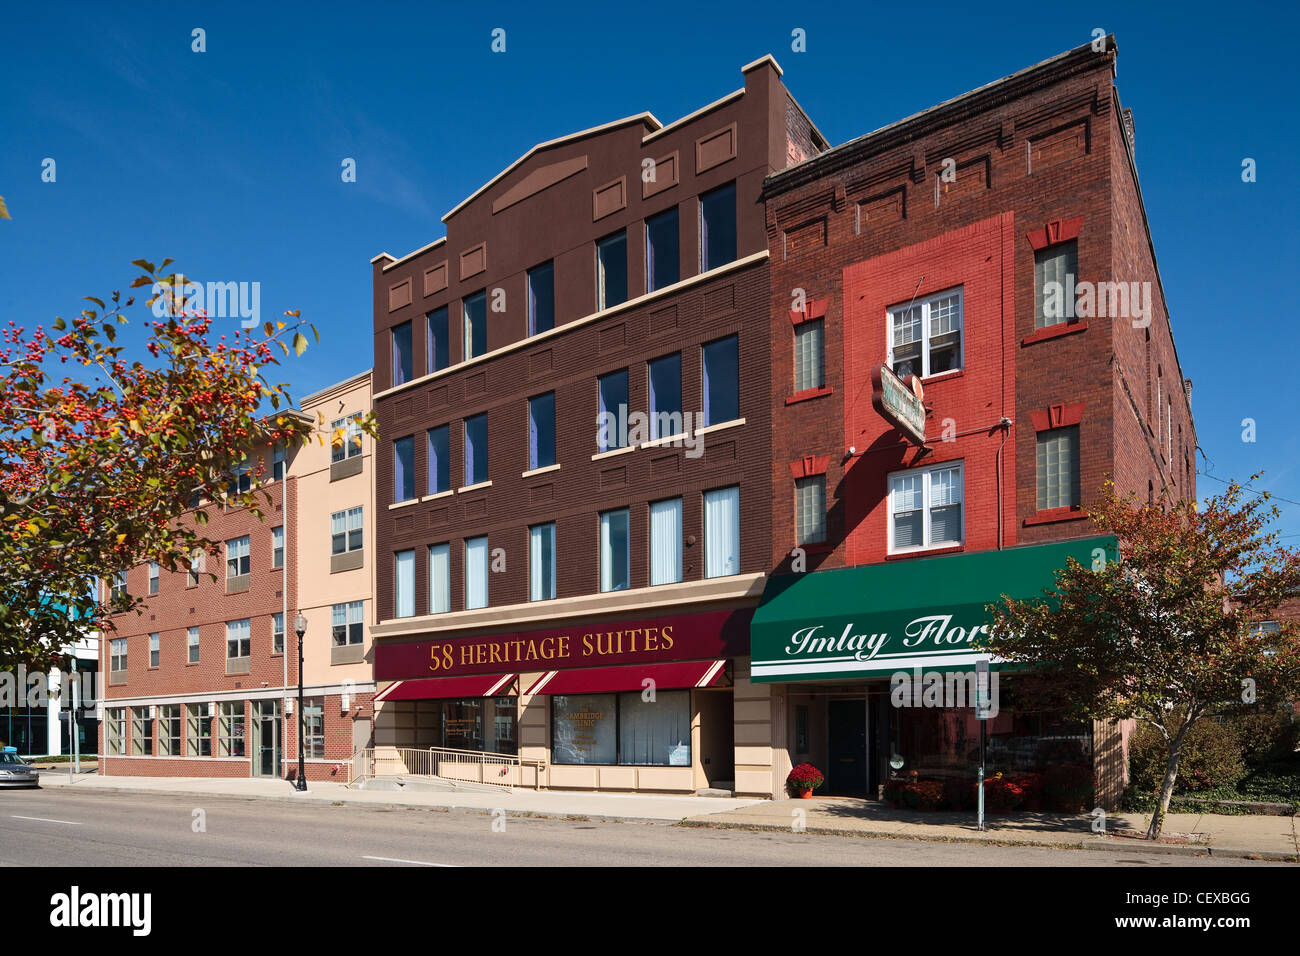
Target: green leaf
x: 59, y: 323
x: 144, y: 264
x: 299, y: 343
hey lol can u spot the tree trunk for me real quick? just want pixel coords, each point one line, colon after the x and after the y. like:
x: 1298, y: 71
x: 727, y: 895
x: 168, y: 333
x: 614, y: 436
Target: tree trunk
x: 1171, y: 774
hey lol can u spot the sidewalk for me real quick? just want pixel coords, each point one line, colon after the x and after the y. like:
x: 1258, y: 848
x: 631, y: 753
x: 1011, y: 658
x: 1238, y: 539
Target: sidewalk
x: 560, y: 803
x: 1252, y: 837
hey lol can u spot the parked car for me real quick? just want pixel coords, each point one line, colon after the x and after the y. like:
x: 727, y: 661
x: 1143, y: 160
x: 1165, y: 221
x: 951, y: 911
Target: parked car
x: 15, y: 771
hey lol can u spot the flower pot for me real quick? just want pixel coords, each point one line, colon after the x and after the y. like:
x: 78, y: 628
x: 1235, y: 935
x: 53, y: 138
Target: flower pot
x: 804, y: 794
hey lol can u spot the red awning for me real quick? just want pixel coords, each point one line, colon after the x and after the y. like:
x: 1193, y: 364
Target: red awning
x: 432, y: 688
x: 597, y: 680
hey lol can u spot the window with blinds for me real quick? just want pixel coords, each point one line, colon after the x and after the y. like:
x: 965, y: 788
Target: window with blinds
x: 1058, y: 265
x: 1058, y: 468
x: 925, y: 508
x: 925, y: 336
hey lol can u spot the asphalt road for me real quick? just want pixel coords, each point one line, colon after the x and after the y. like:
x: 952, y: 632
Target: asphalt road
x: 63, y: 829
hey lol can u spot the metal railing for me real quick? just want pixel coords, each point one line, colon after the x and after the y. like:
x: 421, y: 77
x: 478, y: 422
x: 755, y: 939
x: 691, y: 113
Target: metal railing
x: 447, y: 763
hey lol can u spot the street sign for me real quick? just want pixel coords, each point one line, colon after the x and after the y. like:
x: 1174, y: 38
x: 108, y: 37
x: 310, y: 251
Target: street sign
x: 983, y: 705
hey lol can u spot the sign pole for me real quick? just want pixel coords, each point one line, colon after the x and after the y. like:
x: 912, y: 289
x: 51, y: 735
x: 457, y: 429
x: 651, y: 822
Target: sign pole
x: 982, y: 715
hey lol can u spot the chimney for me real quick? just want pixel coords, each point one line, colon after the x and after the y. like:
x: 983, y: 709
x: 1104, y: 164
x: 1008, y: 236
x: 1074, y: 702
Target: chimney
x: 1129, y: 130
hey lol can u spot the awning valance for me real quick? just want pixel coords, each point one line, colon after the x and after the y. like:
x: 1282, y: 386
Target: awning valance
x: 433, y: 688
x: 877, y: 619
x: 610, y: 680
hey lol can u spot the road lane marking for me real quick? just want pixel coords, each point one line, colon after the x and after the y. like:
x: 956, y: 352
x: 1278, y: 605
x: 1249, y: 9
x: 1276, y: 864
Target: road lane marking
x: 71, y: 823
x: 389, y: 859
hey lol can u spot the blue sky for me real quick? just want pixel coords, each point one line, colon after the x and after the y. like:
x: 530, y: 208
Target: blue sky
x: 229, y: 161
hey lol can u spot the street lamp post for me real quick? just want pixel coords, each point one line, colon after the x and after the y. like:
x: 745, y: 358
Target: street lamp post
x: 300, y: 628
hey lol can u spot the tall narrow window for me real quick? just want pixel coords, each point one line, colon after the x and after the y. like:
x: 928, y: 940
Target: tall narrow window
x: 541, y: 298
x: 1055, y: 272
x: 722, y: 532
x: 809, y: 355
x: 476, y: 449
x: 313, y: 718
x: 476, y: 324
x: 666, y: 541
x: 439, y: 460
x: 476, y: 572
x: 439, y: 340
x: 277, y: 547
x: 611, y: 270
x: 169, y: 730
x: 1058, y: 468
x: 925, y: 336
x: 117, y: 587
x: 925, y: 508
x: 230, y: 729
x: 404, y: 584
x: 404, y: 469
x: 154, y: 650
x: 662, y: 259
x: 666, y: 396
x: 277, y: 632
x: 541, y: 562
x: 141, y: 732
x: 810, y: 510
x: 615, y: 552
x: 403, y: 364
x: 541, y: 431
x: 612, y: 413
x: 718, y: 227
x: 192, y: 645
x: 721, y: 381
x: 439, y: 578
x: 153, y: 577
x: 198, y: 731
x: 277, y: 463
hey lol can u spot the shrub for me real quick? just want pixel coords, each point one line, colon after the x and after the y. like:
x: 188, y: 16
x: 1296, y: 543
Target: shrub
x: 1031, y: 784
x: 1211, y: 758
x: 1266, y: 734
x: 1001, y: 794
x: 923, y: 795
x: 1067, y: 788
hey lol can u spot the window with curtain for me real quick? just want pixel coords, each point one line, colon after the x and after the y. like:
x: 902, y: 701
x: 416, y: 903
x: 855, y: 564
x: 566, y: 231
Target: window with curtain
x: 622, y: 729
x: 439, y: 578
x: 439, y: 459
x: 584, y: 729
x: 612, y: 390
x: 925, y: 508
x: 476, y: 572
x: 404, y: 584
x: 810, y: 510
x: 1060, y: 265
x: 721, y: 363
x: 615, y: 553
x: 438, y: 340
x: 403, y: 365
x: 722, y: 532
x: 666, y: 541
x: 346, y: 530
x: 541, y: 431
x: 925, y: 336
x: 476, y: 449
x: 1058, y: 468
x: 718, y: 227
x: 662, y: 258
x: 541, y: 298
x: 404, y: 469
x: 611, y: 270
x: 665, y: 376
x: 809, y: 362
x: 541, y: 562
x: 475, y: 324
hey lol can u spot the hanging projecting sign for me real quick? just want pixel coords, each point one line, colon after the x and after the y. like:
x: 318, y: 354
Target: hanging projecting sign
x: 900, y: 403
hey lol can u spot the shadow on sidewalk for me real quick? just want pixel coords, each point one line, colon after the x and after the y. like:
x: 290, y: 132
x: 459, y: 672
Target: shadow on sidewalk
x: 830, y: 810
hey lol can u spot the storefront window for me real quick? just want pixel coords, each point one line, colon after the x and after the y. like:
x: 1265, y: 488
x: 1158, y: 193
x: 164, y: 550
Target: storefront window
x: 622, y: 729
x: 480, y: 723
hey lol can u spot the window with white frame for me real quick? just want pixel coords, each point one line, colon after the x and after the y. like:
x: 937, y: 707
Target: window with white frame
x: 238, y: 560
x: 541, y: 562
x: 117, y: 654
x: 809, y: 355
x: 153, y: 577
x: 277, y: 547
x: 192, y: 645
x: 925, y: 336
x: 348, y: 443
x: 277, y: 632
x: 810, y: 510
x: 239, y: 639
x: 925, y: 508
x: 346, y: 530
x: 666, y: 541
x: 615, y: 552
x: 439, y: 578
x: 155, y: 651
x: 1058, y: 468
x: 117, y: 587
x: 346, y: 623
x: 722, y: 532
x: 476, y: 572
x: 404, y: 584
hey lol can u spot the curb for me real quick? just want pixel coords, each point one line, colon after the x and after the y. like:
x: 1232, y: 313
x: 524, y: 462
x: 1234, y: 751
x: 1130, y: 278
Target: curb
x: 1103, y: 844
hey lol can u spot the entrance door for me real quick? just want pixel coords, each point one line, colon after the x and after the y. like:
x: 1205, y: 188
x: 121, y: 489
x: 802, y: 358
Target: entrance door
x: 846, y: 731
x: 266, y: 738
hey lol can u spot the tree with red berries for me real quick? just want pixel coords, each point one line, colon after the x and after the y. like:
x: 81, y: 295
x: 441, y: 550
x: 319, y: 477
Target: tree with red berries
x: 1164, y: 633
x: 100, y: 456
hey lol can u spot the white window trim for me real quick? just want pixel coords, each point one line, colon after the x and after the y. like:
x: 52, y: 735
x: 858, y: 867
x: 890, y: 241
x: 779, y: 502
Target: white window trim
x: 925, y: 330
x: 925, y: 473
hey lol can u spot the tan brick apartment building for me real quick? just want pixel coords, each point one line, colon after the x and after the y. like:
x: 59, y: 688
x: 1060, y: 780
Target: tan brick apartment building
x: 204, y: 681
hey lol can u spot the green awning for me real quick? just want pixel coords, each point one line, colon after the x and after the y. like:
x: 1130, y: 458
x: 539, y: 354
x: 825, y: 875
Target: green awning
x: 874, y: 620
